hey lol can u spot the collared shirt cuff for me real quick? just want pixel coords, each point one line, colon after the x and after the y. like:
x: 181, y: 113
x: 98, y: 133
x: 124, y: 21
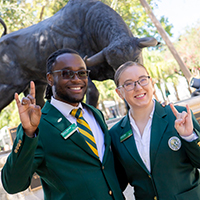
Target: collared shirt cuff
x: 191, y: 137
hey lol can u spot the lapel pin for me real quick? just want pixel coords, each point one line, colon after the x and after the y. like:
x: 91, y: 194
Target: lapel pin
x: 59, y: 120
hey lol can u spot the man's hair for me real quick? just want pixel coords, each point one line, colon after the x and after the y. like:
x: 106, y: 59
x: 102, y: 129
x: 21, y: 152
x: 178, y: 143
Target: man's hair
x: 52, y: 58
x: 123, y: 67
x: 49, y: 65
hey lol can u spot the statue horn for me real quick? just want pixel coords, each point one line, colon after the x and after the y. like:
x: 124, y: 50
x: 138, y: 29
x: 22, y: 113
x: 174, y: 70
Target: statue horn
x: 147, y: 42
x: 95, y: 59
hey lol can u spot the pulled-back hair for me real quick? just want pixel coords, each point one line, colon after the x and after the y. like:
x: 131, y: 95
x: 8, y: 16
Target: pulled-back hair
x: 123, y: 67
x: 49, y: 65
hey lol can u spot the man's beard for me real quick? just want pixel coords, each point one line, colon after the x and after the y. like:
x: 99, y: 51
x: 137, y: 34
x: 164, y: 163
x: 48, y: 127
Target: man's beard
x: 68, y: 98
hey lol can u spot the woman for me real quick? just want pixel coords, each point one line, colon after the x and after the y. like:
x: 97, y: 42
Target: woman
x: 157, y: 149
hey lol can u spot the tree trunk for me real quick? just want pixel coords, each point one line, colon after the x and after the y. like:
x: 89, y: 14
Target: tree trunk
x: 162, y: 32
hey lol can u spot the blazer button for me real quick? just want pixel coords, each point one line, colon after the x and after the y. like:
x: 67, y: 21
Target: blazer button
x: 102, y: 167
x: 110, y: 192
x: 155, y: 198
x: 20, y: 141
x: 15, y: 150
x: 149, y: 176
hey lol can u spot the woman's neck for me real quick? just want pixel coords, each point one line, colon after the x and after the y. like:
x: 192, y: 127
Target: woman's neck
x: 142, y: 114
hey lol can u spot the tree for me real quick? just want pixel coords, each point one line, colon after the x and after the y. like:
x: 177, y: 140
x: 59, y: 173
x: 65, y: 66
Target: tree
x: 166, y: 39
x: 189, y: 48
x: 22, y: 13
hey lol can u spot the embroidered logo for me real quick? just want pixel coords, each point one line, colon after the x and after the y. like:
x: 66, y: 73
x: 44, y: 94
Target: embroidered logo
x: 174, y: 143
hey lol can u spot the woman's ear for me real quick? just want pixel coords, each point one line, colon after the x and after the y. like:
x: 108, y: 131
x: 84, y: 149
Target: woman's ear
x: 50, y: 79
x: 119, y: 93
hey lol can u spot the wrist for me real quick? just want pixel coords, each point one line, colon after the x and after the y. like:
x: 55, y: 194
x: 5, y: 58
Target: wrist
x: 193, y: 136
x: 31, y: 134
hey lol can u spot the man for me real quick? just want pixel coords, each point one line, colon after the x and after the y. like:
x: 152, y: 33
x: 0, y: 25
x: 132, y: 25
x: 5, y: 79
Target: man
x: 50, y: 142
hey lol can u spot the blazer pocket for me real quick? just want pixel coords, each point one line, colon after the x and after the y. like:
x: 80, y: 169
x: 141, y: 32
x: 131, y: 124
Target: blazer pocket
x: 191, y: 194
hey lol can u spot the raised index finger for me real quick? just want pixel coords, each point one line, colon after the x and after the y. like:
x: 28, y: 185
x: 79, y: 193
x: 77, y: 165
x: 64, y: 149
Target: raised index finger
x: 174, y: 110
x: 32, y: 89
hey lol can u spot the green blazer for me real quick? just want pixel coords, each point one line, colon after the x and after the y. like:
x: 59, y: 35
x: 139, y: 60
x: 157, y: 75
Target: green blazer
x: 174, y: 174
x: 67, y: 167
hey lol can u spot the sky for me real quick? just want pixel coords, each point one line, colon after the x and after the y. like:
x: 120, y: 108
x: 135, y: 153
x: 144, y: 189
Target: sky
x: 180, y: 13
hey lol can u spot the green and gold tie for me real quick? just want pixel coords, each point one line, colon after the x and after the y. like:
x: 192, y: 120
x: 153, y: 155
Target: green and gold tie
x: 85, y: 130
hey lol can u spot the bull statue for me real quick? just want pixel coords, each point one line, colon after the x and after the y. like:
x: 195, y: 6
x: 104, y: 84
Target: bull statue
x: 87, y: 26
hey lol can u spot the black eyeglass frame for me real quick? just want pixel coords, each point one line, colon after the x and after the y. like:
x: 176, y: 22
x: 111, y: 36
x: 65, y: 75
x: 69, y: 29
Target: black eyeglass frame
x: 73, y: 73
x: 134, y: 83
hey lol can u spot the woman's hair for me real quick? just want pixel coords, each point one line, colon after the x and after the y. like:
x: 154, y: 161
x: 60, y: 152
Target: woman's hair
x: 123, y: 67
x: 49, y: 65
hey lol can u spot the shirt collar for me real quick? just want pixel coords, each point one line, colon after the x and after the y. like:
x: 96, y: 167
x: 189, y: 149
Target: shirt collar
x: 63, y: 107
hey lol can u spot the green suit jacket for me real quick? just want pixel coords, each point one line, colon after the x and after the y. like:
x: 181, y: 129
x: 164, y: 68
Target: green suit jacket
x: 67, y: 167
x: 174, y: 174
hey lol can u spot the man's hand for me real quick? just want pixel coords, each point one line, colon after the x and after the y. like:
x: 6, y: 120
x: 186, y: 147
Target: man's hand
x: 183, y: 122
x: 29, y: 112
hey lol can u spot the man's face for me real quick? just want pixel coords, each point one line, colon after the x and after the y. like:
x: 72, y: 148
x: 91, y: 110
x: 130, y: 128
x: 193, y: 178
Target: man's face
x: 70, y: 90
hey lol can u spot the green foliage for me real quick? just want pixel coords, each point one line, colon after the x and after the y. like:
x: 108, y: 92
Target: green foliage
x: 189, y: 48
x: 15, y: 15
x: 160, y: 69
x: 9, y: 115
x: 19, y: 14
x: 107, y: 90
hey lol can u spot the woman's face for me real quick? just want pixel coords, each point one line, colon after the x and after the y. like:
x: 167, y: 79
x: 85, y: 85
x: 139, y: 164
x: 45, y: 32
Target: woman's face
x: 139, y: 96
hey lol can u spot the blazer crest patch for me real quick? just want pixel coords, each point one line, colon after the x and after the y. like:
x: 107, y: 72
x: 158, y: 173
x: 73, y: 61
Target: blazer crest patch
x: 174, y: 143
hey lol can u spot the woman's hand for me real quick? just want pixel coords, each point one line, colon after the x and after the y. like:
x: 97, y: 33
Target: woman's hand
x: 183, y: 122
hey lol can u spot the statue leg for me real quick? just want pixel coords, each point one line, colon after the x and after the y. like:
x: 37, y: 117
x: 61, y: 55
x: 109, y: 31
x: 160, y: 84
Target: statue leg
x: 40, y: 89
x: 92, y: 94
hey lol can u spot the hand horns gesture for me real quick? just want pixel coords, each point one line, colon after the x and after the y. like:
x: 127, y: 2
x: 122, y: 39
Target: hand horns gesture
x: 29, y: 112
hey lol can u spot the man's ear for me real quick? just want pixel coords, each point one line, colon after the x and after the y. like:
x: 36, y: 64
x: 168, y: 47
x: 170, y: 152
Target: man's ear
x: 50, y: 79
x: 119, y: 93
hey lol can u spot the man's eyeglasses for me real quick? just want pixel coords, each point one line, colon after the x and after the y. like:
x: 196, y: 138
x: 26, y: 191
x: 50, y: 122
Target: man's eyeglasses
x: 130, y: 85
x: 69, y: 74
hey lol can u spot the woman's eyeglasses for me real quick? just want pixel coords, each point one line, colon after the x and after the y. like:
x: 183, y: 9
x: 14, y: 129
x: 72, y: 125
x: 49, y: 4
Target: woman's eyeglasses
x: 130, y: 85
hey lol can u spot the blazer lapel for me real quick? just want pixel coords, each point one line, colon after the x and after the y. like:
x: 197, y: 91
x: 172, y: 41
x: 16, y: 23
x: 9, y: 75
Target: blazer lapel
x: 130, y: 144
x: 159, y: 125
x: 56, y: 119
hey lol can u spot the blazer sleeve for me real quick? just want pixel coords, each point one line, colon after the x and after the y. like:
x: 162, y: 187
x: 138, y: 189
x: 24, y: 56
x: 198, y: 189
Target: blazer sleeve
x: 18, y: 170
x: 193, y: 148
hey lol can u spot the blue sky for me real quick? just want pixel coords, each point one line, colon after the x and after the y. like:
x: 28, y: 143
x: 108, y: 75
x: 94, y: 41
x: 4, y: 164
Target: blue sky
x: 180, y: 13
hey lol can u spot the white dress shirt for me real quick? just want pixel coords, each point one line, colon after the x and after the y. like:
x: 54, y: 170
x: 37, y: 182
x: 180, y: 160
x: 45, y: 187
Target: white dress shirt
x: 143, y: 141
x: 65, y: 109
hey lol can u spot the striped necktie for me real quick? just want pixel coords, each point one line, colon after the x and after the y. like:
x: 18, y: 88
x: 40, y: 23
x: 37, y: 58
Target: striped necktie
x: 85, y: 130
